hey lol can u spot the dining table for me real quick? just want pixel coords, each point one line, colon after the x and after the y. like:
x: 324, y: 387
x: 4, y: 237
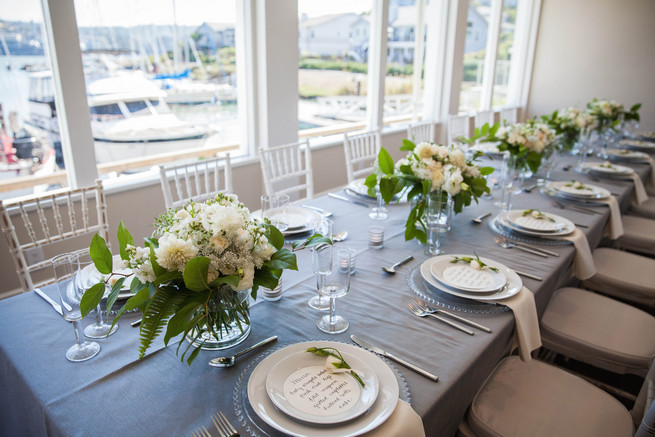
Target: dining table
x: 118, y: 394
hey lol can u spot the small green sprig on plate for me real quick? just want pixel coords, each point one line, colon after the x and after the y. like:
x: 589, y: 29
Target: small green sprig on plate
x: 577, y: 185
x: 606, y: 164
x: 471, y: 260
x: 537, y: 215
x: 340, y: 364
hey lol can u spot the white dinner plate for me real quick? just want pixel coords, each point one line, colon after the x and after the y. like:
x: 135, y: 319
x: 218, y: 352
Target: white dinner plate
x: 644, y: 146
x: 568, y: 227
x: 378, y: 413
x: 568, y: 189
x: 510, y: 289
x: 548, y: 224
x: 458, y: 276
x: 357, y: 186
x: 275, y: 384
x: 627, y: 155
x: 614, y: 171
x: 304, y: 219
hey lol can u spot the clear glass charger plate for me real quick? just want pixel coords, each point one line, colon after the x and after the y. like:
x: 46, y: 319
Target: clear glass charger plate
x: 515, y: 236
x: 435, y: 296
x: 253, y: 424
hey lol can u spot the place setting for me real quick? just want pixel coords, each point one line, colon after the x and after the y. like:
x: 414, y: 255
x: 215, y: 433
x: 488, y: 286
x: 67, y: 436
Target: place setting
x: 293, y: 221
x: 615, y: 171
x: 647, y: 146
x: 319, y: 388
x: 470, y: 283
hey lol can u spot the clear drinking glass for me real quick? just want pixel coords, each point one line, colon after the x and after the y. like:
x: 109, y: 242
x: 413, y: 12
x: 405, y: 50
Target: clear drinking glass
x: 334, y: 285
x: 438, y: 217
x: 70, y: 294
x: 275, y: 208
x: 378, y: 212
x: 320, y: 302
x: 85, y: 280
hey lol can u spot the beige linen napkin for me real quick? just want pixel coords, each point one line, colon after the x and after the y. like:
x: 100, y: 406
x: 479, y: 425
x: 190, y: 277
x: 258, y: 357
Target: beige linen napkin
x: 583, y: 263
x: 526, y: 336
x: 403, y: 422
x: 615, y: 225
x: 639, y: 195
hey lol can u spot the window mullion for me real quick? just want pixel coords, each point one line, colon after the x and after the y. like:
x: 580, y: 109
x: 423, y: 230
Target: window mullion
x: 377, y: 64
x: 418, y: 55
x: 491, y: 54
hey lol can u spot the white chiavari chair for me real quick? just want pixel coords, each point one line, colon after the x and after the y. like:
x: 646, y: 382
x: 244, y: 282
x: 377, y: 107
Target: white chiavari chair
x: 458, y: 126
x: 421, y: 131
x: 361, y: 150
x: 484, y: 117
x: 198, y: 181
x: 287, y: 169
x: 42, y: 223
x: 509, y: 115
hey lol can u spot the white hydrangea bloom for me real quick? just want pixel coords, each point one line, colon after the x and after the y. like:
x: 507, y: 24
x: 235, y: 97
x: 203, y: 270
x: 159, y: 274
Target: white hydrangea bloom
x: 173, y: 253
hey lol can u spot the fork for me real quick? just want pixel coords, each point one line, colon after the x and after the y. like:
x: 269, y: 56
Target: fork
x: 201, y: 432
x: 419, y: 312
x: 425, y: 307
x: 224, y: 427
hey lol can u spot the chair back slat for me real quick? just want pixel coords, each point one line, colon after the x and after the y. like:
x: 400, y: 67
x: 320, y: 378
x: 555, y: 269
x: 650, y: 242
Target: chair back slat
x: 198, y: 181
x: 509, y: 115
x: 51, y: 206
x: 420, y: 132
x: 287, y: 169
x: 361, y: 150
x: 484, y: 117
x: 458, y: 126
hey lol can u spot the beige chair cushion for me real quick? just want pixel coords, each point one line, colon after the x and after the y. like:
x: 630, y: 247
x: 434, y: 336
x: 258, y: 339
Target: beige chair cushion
x: 536, y: 399
x: 600, y: 331
x: 625, y: 275
x: 646, y: 209
x: 639, y: 235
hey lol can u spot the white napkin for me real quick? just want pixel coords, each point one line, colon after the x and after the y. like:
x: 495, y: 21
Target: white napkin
x: 526, y: 336
x: 651, y: 179
x: 615, y: 225
x: 403, y: 422
x: 583, y: 263
x: 639, y: 195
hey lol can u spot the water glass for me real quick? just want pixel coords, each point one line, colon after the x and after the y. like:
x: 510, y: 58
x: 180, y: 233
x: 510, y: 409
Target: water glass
x: 334, y: 285
x: 86, y: 279
x: 275, y: 207
x: 353, y: 261
x: 376, y: 237
x: 438, y: 217
x: 378, y: 212
x: 320, y: 302
x: 70, y: 295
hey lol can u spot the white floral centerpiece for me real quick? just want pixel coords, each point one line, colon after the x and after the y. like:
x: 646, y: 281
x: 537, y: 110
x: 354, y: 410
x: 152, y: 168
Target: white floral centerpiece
x: 194, y: 279
x: 569, y: 123
x: 428, y: 168
x: 608, y: 113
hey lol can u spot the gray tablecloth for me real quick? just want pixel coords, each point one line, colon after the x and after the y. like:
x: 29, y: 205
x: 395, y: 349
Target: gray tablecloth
x: 116, y: 394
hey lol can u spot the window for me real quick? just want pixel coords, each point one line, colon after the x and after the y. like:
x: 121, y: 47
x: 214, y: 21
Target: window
x: 29, y: 130
x: 160, y: 76
x: 333, y: 66
x: 504, y: 56
x: 474, y: 54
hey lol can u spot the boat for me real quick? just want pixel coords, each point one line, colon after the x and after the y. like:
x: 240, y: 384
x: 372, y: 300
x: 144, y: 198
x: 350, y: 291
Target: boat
x: 129, y: 117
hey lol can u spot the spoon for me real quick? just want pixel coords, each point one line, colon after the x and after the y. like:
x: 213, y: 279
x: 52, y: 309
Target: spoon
x: 229, y: 361
x: 392, y: 269
x: 480, y: 218
x: 340, y: 236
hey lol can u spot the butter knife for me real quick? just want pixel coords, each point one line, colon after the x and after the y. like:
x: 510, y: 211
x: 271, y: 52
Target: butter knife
x: 347, y: 199
x: 377, y: 350
x: 45, y: 297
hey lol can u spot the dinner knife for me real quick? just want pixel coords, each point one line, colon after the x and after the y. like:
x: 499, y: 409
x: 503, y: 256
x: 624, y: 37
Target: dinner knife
x: 347, y: 199
x: 45, y: 297
x: 377, y: 350
x: 538, y: 249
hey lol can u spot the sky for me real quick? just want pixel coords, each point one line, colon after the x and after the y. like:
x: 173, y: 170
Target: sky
x: 187, y: 12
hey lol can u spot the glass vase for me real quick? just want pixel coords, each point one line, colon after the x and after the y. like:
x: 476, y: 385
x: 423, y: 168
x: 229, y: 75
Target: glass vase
x: 438, y: 217
x: 225, y: 322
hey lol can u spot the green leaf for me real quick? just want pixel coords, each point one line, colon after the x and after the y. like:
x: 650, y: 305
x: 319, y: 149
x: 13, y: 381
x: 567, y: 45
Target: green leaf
x: 113, y: 294
x: 168, y: 277
x: 283, y: 259
x: 534, y: 161
x: 387, y: 189
x: 161, y: 308
x: 485, y: 129
x: 91, y: 298
x: 138, y: 300
x: 274, y: 236
x: 371, y: 182
x: 101, y: 255
x: 195, y: 273
x: 124, y: 238
x: 385, y: 161
x: 178, y: 322
x: 264, y: 277
x: 314, y: 240
x: 136, y: 285
x: 232, y: 280
x: 486, y: 170
x: 494, y: 129
x: 156, y: 268
x: 407, y: 146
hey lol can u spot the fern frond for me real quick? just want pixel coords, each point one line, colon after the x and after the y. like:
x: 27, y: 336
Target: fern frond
x: 161, y: 308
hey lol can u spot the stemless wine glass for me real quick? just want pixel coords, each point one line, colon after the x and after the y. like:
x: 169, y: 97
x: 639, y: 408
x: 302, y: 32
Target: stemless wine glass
x: 334, y: 285
x: 86, y: 279
x: 378, y: 212
x: 438, y: 216
x: 65, y: 267
x: 323, y: 227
